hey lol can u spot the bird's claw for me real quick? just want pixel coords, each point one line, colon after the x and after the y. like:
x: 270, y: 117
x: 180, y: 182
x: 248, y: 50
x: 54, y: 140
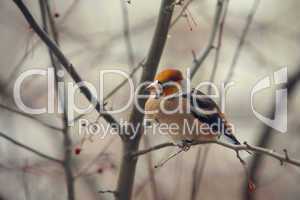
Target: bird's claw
x: 185, y: 145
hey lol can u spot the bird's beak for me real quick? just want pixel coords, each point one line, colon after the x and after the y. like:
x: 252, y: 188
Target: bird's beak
x: 154, y: 86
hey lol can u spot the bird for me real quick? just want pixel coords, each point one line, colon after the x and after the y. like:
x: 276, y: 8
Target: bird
x: 196, y: 116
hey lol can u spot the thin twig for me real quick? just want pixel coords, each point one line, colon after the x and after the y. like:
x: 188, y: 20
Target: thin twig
x: 219, y: 44
x: 25, y: 183
x: 151, y: 172
x: 200, y: 59
x: 67, y: 65
x: 181, y: 14
x: 266, y: 132
x: 242, y: 40
x: 200, y: 169
x: 156, y: 147
x: 145, y: 25
x: 126, y: 33
x: 124, y: 81
x: 17, y: 68
x: 164, y: 161
x: 116, y: 89
x: 194, y: 188
x: 92, y: 162
x: 36, y: 152
x: 69, y: 11
x: 30, y: 117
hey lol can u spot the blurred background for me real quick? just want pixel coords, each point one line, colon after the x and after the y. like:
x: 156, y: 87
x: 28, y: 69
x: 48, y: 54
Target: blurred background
x: 93, y: 35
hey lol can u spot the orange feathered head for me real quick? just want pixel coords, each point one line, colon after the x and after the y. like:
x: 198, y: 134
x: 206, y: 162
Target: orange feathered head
x: 168, y: 75
x: 168, y: 81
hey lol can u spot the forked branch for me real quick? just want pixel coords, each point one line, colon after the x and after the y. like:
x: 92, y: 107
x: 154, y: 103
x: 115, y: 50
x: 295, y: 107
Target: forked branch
x: 66, y: 64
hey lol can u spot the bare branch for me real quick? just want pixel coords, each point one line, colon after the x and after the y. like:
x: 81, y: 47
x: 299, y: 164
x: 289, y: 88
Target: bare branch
x: 199, y: 170
x: 242, y: 40
x: 30, y: 117
x: 137, y: 29
x: 124, y: 81
x: 25, y: 183
x: 151, y: 172
x: 61, y: 93
x: 236, y: 148
x: 17, y: 68
x: 199, y: 60
x: 128, y: 166
x: 93, y: 161
x: 219, y: 44
x: 66, y: 64
x: 266, y: 132
x: 195, y: 181
x: 36, y: 152
x: 126, y: 33
x: 140, y: 188
x: 116, y: 89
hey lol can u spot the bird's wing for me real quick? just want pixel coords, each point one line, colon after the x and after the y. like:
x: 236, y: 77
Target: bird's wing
x: 207, y: 111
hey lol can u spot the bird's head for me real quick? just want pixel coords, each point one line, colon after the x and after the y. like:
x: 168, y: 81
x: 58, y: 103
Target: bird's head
x: 167, y: 82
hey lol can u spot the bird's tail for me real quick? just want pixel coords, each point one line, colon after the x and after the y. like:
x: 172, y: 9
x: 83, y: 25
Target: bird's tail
x: 233, y: 140
x: 228, y: 133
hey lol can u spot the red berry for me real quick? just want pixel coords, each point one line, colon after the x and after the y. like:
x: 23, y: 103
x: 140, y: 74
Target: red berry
x: 56, y: 15
x: 251, y: 186
x: 77, y: 151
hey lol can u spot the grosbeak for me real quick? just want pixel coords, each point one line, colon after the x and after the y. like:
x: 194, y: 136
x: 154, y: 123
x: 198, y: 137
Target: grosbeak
x: 196, y: 116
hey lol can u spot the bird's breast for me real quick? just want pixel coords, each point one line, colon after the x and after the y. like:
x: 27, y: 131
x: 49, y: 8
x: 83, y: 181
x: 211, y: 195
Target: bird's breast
x: 175, y: 119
